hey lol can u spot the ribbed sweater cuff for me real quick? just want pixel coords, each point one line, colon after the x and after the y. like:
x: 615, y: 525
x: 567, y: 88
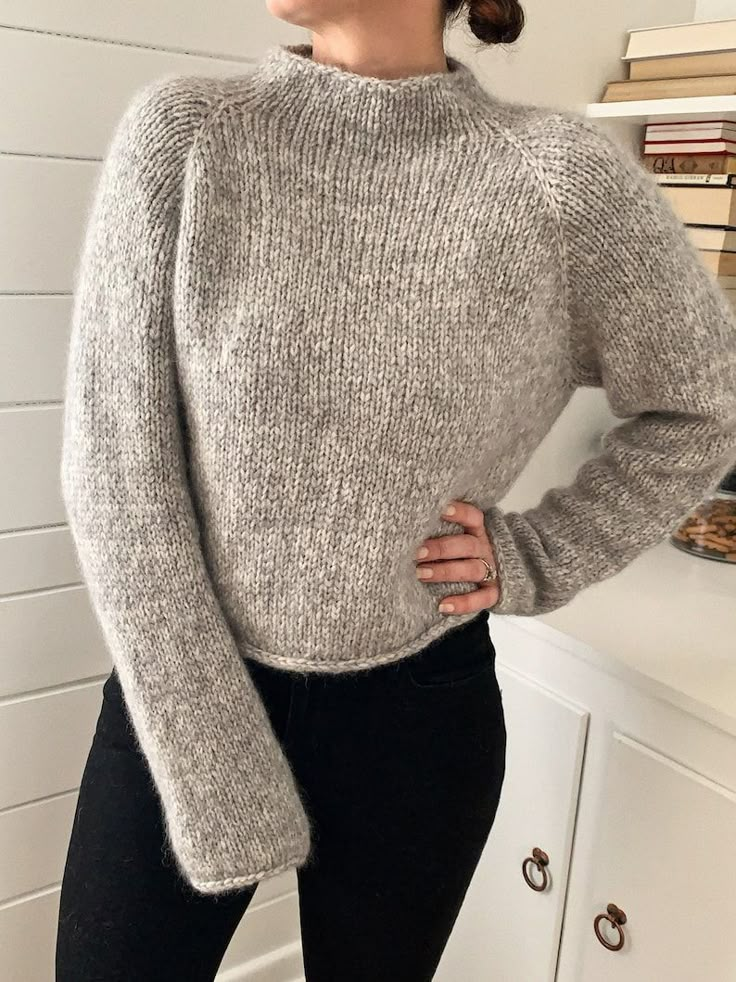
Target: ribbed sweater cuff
x: 516, y: 587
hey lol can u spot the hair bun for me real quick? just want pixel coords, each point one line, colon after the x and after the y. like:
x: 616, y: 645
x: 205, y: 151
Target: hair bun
x: 495, y: 21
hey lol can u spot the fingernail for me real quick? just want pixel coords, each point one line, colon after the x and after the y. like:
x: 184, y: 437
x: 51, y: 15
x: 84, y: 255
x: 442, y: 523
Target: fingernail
x: 421, y: 553
x: 450, y: 510
x: 424, y: 573
x: 446, y: 608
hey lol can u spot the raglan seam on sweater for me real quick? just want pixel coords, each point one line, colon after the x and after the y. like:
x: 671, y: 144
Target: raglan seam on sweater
x: 555, y: 210
x: 210, y: 115
x: 171, y: 212
x: 173, y: 205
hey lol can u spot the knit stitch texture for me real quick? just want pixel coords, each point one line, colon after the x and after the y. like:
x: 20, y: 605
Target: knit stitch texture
x: 311, y: 308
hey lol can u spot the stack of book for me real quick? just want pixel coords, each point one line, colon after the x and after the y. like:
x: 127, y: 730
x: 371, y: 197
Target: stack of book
x: 706, y: 203
x: 693, y: 160
x: 690, y: 147
x: 678, y: 61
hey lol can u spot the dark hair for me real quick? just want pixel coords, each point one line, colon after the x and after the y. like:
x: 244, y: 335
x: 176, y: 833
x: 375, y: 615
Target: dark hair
x: 491, y: 21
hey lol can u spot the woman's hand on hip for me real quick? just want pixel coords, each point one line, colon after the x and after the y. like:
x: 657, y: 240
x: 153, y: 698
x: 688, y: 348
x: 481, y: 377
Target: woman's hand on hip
x: 457, y: 558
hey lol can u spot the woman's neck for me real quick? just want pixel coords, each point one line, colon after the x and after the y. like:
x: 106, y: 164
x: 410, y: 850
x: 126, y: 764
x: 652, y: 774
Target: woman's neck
x: 372, y: 54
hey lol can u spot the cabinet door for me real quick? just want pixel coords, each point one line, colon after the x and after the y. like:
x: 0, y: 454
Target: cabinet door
x: 666, y: 841
x: 506, y: 931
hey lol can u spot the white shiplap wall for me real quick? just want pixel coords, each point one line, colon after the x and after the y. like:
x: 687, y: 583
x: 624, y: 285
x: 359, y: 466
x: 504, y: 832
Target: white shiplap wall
x: 66, y: 72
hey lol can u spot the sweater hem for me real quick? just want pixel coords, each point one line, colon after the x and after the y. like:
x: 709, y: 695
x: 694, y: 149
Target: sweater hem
x: 246, y: 879
x: 333, y: 665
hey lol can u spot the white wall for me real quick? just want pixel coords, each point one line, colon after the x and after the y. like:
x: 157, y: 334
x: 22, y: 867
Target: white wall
x: 68, y: 70
x: 714, y: 9
x: 569, y: 50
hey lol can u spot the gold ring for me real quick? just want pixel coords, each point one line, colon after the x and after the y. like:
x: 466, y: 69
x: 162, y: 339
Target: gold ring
x: 490, y: 574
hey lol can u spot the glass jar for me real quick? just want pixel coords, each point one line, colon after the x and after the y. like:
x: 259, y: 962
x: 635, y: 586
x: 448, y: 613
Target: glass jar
x: 710, y: 528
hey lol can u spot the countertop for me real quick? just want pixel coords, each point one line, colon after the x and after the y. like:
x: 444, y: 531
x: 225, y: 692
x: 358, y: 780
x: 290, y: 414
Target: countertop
x: 670, y: 618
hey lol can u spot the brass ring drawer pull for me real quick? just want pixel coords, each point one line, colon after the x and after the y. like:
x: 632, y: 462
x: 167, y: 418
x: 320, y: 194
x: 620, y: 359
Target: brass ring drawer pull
x: 617, y: 918
x: 540, y: 859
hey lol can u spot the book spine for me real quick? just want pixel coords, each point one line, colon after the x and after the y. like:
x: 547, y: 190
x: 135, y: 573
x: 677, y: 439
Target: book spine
x: 682, y: 66
x: 690, y: 163
x: 622, y: 90
x: 688, y: 146
x: 698, y: 180
x: 684, y: 38
x: 696, y: 125
x: 691, y: 135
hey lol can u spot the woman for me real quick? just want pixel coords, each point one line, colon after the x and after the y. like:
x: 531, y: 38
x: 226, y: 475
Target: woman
x: 325, y: 312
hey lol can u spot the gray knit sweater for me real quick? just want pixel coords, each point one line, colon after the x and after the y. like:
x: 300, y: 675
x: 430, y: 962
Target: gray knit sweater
x: 311, y: 308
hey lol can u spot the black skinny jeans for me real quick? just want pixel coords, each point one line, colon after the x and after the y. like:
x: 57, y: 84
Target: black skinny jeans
x: 401, y: 768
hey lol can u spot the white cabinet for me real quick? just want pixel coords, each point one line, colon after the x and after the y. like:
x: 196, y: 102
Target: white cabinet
x: 666, y: 838
x: 545, y: 743
x: 633, y: 800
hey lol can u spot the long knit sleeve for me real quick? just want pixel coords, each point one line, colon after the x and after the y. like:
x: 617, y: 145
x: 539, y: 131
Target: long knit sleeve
x: 649, y: 324
x: 231, y: 804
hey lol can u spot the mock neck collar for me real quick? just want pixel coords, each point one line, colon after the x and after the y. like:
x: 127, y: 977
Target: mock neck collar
x: 416, y: 108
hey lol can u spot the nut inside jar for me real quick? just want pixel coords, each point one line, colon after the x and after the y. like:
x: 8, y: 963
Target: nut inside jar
x: 710, y: 529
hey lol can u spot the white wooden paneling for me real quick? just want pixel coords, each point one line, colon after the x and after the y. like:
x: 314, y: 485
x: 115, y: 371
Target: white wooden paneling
x: 54, y: 109
x: 34, y: 336
x: 49, y: 638
x: 33, y: 844
x: 34, y: 839
x: 30, y: 446
x: 276, y: 886
x: 284, y: 965
x: 37, y: 559
x: 44, y: 742
x: 229, y: 28
x: 44, y: 206
x: 28, y: 938
x: 266, y: 928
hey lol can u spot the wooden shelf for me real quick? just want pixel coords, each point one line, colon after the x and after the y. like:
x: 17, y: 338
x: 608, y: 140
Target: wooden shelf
x: 656, y: 110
